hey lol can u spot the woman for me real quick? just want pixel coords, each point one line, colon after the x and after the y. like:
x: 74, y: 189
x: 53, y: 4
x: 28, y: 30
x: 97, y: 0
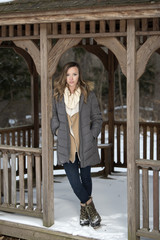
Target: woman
x: 77, y: 123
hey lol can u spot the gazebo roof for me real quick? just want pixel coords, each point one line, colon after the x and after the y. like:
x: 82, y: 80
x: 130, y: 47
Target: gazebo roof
x: 23, y: 6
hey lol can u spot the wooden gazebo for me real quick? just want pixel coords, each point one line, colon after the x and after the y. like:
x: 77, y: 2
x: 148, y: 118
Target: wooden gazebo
x: 131, y: 32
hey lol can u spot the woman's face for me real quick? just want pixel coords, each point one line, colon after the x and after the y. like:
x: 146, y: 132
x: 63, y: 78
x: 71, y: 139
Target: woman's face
x: 72, y: 78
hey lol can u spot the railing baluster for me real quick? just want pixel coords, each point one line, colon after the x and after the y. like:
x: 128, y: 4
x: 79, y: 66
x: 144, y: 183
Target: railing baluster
x: 125, y: 144
x: 156, y: 200
x: 118, y: 144
x: 38, y: 183
x: 21, y: 181
x: 145, y: 189
x: 30, y: 182
x: 5, y: 179
x: 13, y: 180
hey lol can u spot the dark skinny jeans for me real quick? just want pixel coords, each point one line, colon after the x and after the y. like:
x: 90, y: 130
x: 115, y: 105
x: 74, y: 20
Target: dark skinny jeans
x: 80, y: 182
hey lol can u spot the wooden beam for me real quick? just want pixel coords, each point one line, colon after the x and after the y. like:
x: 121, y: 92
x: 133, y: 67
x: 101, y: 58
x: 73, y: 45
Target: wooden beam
x: 145, y: 52
x: 94, y: 14
x: 56, y: 52
x: 47, y: 139
x: 117, y: 48
x: 99, y: 52
x: 132, y: 133
x: 26, y: 231
x: 30, y: 47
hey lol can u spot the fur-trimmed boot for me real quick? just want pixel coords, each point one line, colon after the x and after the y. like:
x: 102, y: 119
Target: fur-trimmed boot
x: 94, y: 216
x: 84, y: 219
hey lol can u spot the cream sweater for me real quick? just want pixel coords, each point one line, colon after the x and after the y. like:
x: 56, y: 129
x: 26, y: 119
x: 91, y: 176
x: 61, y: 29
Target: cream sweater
x: 72, y: 109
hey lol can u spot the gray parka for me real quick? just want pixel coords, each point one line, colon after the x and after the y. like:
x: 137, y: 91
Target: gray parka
x: 90, y: 122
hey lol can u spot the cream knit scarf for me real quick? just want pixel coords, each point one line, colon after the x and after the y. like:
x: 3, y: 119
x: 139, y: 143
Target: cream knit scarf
x: 72, y: 101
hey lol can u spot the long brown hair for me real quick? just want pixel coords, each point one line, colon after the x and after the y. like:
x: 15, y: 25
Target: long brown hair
x: 60, y: 83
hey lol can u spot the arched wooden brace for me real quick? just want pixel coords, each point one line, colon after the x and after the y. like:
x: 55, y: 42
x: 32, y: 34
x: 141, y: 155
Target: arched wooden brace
x: 30, y: 47
x: 100, y: 53
x: 58, y: 49
x: 117, y: 48
x: 145, y: 52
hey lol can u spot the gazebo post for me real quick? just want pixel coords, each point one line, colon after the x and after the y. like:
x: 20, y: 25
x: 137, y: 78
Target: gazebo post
x: 111, y: 104
x: 132, y: 133
x: 47, y: 139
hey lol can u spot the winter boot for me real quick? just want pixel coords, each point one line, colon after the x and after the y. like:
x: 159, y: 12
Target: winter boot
x: 84, y: 219
x: 94, y: 216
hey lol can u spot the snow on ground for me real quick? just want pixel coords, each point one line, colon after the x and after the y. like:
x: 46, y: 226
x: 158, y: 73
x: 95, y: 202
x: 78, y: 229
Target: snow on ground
x: 110, y: 197
x: 3, y: 1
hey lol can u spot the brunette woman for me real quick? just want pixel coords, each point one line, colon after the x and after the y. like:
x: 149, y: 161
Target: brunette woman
x: 77, y: 123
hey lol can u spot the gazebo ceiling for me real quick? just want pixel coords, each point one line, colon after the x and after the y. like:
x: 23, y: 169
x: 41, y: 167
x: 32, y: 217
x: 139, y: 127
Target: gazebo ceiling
x: 45, y: 11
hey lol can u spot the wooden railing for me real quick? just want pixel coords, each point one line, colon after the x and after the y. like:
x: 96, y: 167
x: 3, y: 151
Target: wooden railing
x: 17, y: 136
x: 149, y: 222
x: 149, y: 138
x: 11, y: 159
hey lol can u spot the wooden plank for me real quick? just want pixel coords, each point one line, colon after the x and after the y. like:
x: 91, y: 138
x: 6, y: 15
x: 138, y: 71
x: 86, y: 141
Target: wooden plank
x: 36, y: 29
x: 3, y: 31
x: 120, y: 12
x: 5, y: 179
x: 149, y: 234
x: 38, y: 183
x: 144, y: 163
x: 82, y: 27
x: 64, y: 28
x: 13, y: 180
x: 30, y: 182
x: 123, y: 25
x: 112, y: 26
x: 21, y: 149
x: 26, y: 231
x: 11, y: 31
x: 155, y: 24
x: 102, y: 26
x: 73, y: 27
x: 92, y: 27
x: 27, y: 29
x: 19, y: 30
x: 132, y: 134
x: 21, y: 181
x: 54, y: 28
x: 156, y: 200
x: 145, y: 196
x: 46, y: 110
